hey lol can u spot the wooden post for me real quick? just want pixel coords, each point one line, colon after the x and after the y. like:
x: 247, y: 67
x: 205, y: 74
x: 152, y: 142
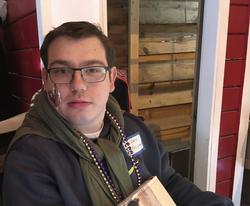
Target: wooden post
x: 134, y: 53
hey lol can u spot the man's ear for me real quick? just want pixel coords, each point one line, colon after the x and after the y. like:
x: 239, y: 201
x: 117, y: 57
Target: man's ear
x: 113, y: 75
x: 45, y: 79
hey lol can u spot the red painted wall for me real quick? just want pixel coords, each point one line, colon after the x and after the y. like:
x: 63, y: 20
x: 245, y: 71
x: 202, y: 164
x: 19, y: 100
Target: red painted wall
x: 22, y: 52
x: 232, y: 94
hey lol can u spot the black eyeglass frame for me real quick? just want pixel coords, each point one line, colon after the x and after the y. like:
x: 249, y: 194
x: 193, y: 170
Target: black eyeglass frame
x: 74, y: 69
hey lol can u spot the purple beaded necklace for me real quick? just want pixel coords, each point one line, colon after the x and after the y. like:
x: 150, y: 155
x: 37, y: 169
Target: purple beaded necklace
x: 103, y: 169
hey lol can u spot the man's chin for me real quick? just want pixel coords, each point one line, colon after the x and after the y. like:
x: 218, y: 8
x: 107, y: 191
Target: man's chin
x: 80, y: 120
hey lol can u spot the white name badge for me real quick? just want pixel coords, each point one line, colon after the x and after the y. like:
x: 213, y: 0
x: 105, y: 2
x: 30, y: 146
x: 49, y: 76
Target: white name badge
x: 135, y: 143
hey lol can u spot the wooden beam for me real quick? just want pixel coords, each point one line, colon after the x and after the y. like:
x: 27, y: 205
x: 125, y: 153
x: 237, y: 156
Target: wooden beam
x: 118, y: 16
x: 118, y: 29
x: 117, y: 3
x: 133, y: 53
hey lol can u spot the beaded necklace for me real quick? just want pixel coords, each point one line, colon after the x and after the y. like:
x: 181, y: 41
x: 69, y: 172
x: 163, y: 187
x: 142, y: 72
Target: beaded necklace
x: 101, y: 168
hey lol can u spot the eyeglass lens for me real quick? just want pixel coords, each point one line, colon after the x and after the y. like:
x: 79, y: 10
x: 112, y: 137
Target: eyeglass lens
x: 89, y: 74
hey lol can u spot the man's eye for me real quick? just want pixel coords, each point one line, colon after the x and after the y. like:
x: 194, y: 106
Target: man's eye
x: 92, y: 70
x: 61, y: 71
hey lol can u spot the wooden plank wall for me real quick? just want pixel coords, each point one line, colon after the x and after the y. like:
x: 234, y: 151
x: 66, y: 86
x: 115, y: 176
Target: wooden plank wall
x: 232, y: 94
x: 167, y: 48
x: 22, y: 50
x: 162, y: 66
x: 118, y: 30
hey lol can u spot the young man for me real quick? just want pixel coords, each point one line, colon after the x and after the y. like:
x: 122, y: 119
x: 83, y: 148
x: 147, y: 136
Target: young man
x: 76, y: 147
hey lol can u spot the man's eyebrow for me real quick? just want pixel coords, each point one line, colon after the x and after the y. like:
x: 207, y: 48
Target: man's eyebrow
x: 82, y: 64
x: 93, y: 62
x: 61, y: 62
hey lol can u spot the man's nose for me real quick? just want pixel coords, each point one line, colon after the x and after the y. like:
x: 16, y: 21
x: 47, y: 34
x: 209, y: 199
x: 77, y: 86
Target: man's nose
x: 78, y: 82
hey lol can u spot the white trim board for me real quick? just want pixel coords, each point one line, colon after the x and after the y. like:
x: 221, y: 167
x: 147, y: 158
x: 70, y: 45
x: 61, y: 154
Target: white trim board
x: 52, y: 13
x: 243, y: 131
x: 213, y: 54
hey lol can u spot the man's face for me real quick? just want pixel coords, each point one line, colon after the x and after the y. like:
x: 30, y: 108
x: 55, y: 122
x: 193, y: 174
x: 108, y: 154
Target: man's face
x: 82, y: 104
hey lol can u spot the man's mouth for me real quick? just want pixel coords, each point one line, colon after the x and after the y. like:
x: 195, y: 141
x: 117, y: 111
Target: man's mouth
x: 79, y: 104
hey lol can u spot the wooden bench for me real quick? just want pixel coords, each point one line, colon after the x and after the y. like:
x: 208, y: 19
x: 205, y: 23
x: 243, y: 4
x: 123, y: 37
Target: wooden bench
x: 7, y: 129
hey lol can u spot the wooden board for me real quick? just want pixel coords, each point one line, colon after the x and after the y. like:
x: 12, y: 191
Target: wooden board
x: 174, y: 134
x: 119, y: 39
x: 117, y: 4
x: 159, y: 87
x: 165, y: 94
x: 150, y: 193
x: 234, y: 71
x: 165, y: 12
x: 165, y: 123
x: 118, y: 30
x: 161, y: 45
x: 224, y: 188
x: 166, y: 71
x: 169, y: 111
x: 122, y: 62
x: 149, y: 30
x: 175, y: 145
x: 167, y: 57
x: 169, y: 122
x: 165, y: 99
x: 133, y: 53
x: 118, y: 16
x: 229, y: 123
x: 236, y: 46
x: 227, y: 146
x: 121, y: 50
x: 225, y: 169
x: 231, y: 99
x: 242, y: 13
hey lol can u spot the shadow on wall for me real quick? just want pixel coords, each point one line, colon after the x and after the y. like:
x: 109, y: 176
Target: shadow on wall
x: 5, y: 106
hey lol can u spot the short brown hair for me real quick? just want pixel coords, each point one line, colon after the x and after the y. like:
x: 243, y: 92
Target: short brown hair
x: 77, y: 30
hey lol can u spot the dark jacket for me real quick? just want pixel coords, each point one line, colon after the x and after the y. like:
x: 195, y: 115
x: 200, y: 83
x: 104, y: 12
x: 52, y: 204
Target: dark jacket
x: 42, y: 172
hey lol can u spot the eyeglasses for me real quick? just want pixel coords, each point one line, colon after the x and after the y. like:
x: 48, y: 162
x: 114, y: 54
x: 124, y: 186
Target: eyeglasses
x: 65, y: 75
